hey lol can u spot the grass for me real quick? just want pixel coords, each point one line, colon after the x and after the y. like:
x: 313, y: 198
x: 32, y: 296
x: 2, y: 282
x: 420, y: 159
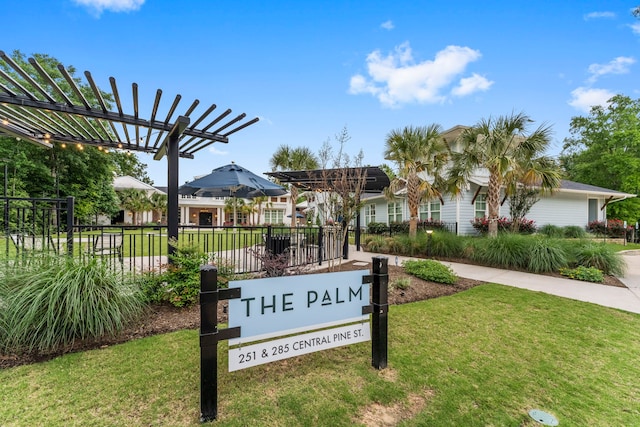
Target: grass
x: 482, y: 357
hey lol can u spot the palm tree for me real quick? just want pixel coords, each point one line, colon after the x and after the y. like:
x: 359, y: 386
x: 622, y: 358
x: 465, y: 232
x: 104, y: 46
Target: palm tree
x: 288, y: 159
x: 510, y: 154
x: 159, y: 204
x: 417, y: 151
x: 134, y: 200
x: 233, y: 205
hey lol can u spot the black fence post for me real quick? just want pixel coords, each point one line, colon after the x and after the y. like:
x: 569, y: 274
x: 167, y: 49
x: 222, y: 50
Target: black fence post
x: 320, y: 243
x: 379, y: 320
x: 70, y: 202
x: 208, y: 343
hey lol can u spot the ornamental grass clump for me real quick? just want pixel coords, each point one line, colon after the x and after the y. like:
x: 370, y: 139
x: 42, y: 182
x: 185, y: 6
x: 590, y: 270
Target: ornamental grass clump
x: 600, y: 256
x: 507, y: 250
x: 430, y: 270
x: 546, y: 255
x: 48, y: 303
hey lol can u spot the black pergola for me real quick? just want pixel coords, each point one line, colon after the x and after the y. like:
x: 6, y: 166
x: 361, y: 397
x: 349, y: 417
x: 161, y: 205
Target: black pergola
x: 376, y: 180
x: 50, y: 114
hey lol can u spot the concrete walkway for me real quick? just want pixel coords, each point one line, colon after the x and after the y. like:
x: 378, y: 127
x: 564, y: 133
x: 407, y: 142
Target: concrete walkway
x: 608, y: 296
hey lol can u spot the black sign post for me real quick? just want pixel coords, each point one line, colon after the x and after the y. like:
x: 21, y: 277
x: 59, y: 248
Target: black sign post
x: 209, y: 337
x: 379, y: 320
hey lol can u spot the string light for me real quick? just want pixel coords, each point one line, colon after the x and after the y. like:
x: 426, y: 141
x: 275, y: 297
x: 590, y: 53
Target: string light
x: 63, y: 145
x: 5, y: 122
x: 80, y: 147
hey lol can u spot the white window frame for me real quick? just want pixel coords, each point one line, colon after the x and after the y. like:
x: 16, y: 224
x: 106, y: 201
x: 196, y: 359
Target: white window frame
x: 273, y: 216
x: 426, y: 210
x: 481, y: 199
x: 369, y: 214
x: 394, y: 212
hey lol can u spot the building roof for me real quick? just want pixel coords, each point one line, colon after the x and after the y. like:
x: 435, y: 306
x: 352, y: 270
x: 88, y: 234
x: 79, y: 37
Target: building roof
x: 127, y: 182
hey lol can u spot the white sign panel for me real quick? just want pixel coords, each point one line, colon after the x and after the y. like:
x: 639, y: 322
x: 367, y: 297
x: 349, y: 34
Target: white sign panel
x: 270, y: 351
x: 280, y: 306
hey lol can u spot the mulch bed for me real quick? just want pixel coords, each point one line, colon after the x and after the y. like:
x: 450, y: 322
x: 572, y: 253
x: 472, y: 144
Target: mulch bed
x: 161, y: 319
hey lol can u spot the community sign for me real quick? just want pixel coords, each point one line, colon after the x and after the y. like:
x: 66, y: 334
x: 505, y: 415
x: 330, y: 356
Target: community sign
x: 306, y: 313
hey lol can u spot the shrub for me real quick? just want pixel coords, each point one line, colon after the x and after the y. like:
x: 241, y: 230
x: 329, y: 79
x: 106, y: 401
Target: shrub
x: 546, y: 255
x: 401, y: 283
x: 432, y: 224
x: 574, y: 232
x: 399, y: 227
x: 377, y: 228
x: 446, y: 245
x: 587, y: 274
x: 507, y: 250
x: 374, y: 244
x: 49, y: 302
x: 600, y: 256
x: 526, y: 226
x: 430, y: 270
x: 611, y: 228
x: 551, y: 230
x: 180, y: 284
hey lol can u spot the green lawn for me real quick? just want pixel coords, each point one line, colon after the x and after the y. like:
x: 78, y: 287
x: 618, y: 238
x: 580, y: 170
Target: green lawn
x: 483, y: 357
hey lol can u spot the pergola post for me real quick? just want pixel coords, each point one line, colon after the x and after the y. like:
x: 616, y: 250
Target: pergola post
x: 173, y: 155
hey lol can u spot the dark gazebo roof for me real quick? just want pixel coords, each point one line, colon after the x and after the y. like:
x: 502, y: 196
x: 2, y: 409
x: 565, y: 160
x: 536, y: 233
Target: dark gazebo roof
x: 43, y: 115
x: 376, y: 179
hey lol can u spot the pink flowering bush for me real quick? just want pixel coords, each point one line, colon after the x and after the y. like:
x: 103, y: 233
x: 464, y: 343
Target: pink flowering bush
x: 527, y: 226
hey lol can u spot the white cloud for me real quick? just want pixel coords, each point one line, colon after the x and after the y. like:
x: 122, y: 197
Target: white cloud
x: 619, y: 65
x: 387, y: 25
x: 471, y: 85
x: 599, y: 15
x: 98, y: 6
x: 214, y: 150
x: 584, y: 98
x: 635, y: 28
x: 397, y: 79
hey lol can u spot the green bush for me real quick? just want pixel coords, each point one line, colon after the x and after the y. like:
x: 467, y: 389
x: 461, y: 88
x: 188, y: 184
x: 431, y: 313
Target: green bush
x: 49, y: 302
x: 507, y: 250
x: 551, y: 230
x: 430, y: 270
x: 600, y: 256
x: 574, y: 232
x: 375, y: 244
x: 401, y: 283
x: 180, y: 284
x: 446, y: 245
x: 587, y: 274
x: 377, y: 228
x: 546, y: 255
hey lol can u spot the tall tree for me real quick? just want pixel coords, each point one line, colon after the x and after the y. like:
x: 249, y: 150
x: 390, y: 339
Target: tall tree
x: 292, y: 159
x: 129, y: 164
x: 504, y: 147
x: 417, y: 151
x: 158, y: 202
x: 604, y: 150
x: 134, y: 200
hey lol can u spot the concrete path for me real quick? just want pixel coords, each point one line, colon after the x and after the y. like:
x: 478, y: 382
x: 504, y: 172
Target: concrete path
x: 608, y: 296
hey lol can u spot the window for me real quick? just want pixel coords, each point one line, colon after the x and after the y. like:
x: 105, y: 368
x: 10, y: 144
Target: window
x: 283, y: 199
x: 481, y: 206
x: 273, y: 216
x: 429, y: 210
x: 369, y: 214
x: 395, y: 212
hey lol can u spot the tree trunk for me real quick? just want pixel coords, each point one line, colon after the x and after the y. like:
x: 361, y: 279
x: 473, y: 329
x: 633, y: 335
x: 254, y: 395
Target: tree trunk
x: 413, y: 200
x: 493, y: 203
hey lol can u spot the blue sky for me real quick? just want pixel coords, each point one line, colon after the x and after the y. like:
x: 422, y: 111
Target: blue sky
x: 309, y: 69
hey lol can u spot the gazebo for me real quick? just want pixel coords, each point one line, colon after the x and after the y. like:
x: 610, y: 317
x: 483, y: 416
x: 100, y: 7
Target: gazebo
x: 48, y: 115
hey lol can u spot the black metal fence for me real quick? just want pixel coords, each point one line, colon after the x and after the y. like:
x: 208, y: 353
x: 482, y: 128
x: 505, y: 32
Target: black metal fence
x: 46, y: 225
